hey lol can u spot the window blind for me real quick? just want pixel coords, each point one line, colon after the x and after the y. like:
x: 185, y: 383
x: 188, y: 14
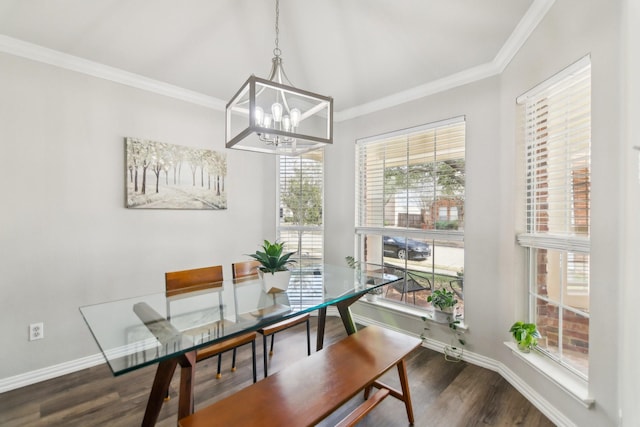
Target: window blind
x: 412, y: 179
x: 300, y: 219
x: 557, y: 138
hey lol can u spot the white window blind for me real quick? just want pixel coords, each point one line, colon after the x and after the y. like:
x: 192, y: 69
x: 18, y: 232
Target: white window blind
x: 413, y: 179
x: 557, y: 137
x: 300, y: 219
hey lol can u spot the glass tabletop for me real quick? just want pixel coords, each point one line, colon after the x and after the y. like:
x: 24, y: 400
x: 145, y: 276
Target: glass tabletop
x: 140, y: 331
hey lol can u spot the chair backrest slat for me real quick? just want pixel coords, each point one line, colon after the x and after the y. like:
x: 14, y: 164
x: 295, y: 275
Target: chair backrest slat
x: 245, y: 269
x: 180, y: 282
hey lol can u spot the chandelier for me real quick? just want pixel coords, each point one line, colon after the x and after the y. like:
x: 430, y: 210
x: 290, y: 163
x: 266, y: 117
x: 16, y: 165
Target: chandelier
x: 272, y: 116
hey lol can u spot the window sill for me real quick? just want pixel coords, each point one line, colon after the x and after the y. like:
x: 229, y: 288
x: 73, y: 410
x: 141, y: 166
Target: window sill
x: 409, y: 311
x: 573, y: 385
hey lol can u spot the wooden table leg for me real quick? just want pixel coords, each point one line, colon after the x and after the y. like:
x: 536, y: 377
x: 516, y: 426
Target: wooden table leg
x: 345, y: 314
x: 187, y: 370
x: 161, y: 382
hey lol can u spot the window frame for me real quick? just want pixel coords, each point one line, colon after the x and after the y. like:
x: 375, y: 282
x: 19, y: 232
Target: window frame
x: 544, y: 236
x: 432, y: 236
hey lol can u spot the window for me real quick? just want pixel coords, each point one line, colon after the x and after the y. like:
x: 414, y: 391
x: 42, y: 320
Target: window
x: 557, y: 147
x: 410, y: 190
x: 300, y: 222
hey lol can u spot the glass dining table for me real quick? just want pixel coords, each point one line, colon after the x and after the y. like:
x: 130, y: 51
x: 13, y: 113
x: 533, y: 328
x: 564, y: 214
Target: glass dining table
x: 155, y: 329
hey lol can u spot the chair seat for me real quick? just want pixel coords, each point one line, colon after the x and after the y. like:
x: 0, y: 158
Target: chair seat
x: 280, y: 326
x: 226, y: 345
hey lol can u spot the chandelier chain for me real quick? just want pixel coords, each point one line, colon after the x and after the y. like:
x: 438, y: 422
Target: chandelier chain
x: 276, y: 50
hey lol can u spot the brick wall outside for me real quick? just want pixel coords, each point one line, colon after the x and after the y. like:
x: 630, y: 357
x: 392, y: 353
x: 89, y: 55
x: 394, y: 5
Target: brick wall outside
x: 575, y: 337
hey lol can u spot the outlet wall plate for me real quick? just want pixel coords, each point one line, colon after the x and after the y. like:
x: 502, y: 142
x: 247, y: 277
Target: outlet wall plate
x: 36, y: 331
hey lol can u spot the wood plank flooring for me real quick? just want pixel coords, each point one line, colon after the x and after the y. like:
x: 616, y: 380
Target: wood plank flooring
x: 443, y: 393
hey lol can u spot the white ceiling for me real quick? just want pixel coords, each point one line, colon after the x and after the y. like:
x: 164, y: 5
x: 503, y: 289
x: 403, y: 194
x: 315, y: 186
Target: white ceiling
x: 361, y: 52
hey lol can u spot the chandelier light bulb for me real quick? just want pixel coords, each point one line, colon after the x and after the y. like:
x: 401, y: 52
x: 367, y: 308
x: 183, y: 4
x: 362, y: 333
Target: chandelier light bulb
x: 286, y: 123
x: 267, y: 120
x: 294, y: 114
x: 276, y: 110
x: 259, y: 115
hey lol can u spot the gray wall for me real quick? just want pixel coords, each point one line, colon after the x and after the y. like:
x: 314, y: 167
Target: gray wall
x: 494, y: 265
x: 629, y: 346
x: 66, y: 239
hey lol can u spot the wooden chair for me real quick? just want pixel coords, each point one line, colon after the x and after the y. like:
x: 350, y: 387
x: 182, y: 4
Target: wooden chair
x: 248, y: 269
x: 185, y: 281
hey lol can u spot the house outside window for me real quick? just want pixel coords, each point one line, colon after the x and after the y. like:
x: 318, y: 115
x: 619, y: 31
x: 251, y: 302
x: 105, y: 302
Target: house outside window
x: 410, y: 191
x: 300, y: 221
x: 557, y: 147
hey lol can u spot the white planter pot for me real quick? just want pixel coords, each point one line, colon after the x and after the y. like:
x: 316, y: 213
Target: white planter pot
x: 373, y: 294
x: 276, y: 282
x: 440, y: 316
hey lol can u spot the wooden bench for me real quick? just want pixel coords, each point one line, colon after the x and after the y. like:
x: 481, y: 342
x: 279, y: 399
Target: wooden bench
x: 311, y: 389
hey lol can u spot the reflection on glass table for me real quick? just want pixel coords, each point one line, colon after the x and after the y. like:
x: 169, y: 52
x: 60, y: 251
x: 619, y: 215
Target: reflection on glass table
x: 141, y: 331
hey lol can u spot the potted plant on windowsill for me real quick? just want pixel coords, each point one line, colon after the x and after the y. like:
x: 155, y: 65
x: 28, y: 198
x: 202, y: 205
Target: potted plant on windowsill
x: 274, y: 270
x: 525, y: 334
x: 443, y: 302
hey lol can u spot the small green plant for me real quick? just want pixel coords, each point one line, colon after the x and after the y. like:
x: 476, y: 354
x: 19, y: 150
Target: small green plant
x: 443, y: 299
x: 351, y: 262
x: 272, y: 258
x: 525, y: 334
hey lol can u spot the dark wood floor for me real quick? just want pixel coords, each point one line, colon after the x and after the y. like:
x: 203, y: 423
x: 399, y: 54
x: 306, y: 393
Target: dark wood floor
x: 443, y: 393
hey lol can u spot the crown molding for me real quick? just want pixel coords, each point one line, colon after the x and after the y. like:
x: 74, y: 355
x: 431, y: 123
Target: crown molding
x: 74, y: 63
x: 536, y: 12
x: 467, y: 76
x: 523, y: 30
x: 516, y: 40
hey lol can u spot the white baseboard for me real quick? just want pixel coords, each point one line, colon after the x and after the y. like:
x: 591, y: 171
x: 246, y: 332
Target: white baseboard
x: 536, y: 399
x: 32, y: 377
x: 43, y: 374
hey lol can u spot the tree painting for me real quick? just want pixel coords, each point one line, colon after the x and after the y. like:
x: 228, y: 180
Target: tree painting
x: 151, y: 164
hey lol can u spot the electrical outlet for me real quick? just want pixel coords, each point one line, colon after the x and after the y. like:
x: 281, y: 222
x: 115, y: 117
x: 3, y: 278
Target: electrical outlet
x: 36, y: 331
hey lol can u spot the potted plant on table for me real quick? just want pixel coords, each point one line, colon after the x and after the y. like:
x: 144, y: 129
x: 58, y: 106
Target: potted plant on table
x: 526, y: 335
x: 274, y: 270
x: 443, y: 302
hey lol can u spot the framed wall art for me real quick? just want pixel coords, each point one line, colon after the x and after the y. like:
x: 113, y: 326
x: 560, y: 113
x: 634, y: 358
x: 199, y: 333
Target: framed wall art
x: 168, y: 176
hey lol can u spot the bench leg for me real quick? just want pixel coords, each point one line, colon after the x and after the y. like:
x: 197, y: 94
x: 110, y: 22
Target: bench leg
x: 363, y: 409
x: 406, y: 394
